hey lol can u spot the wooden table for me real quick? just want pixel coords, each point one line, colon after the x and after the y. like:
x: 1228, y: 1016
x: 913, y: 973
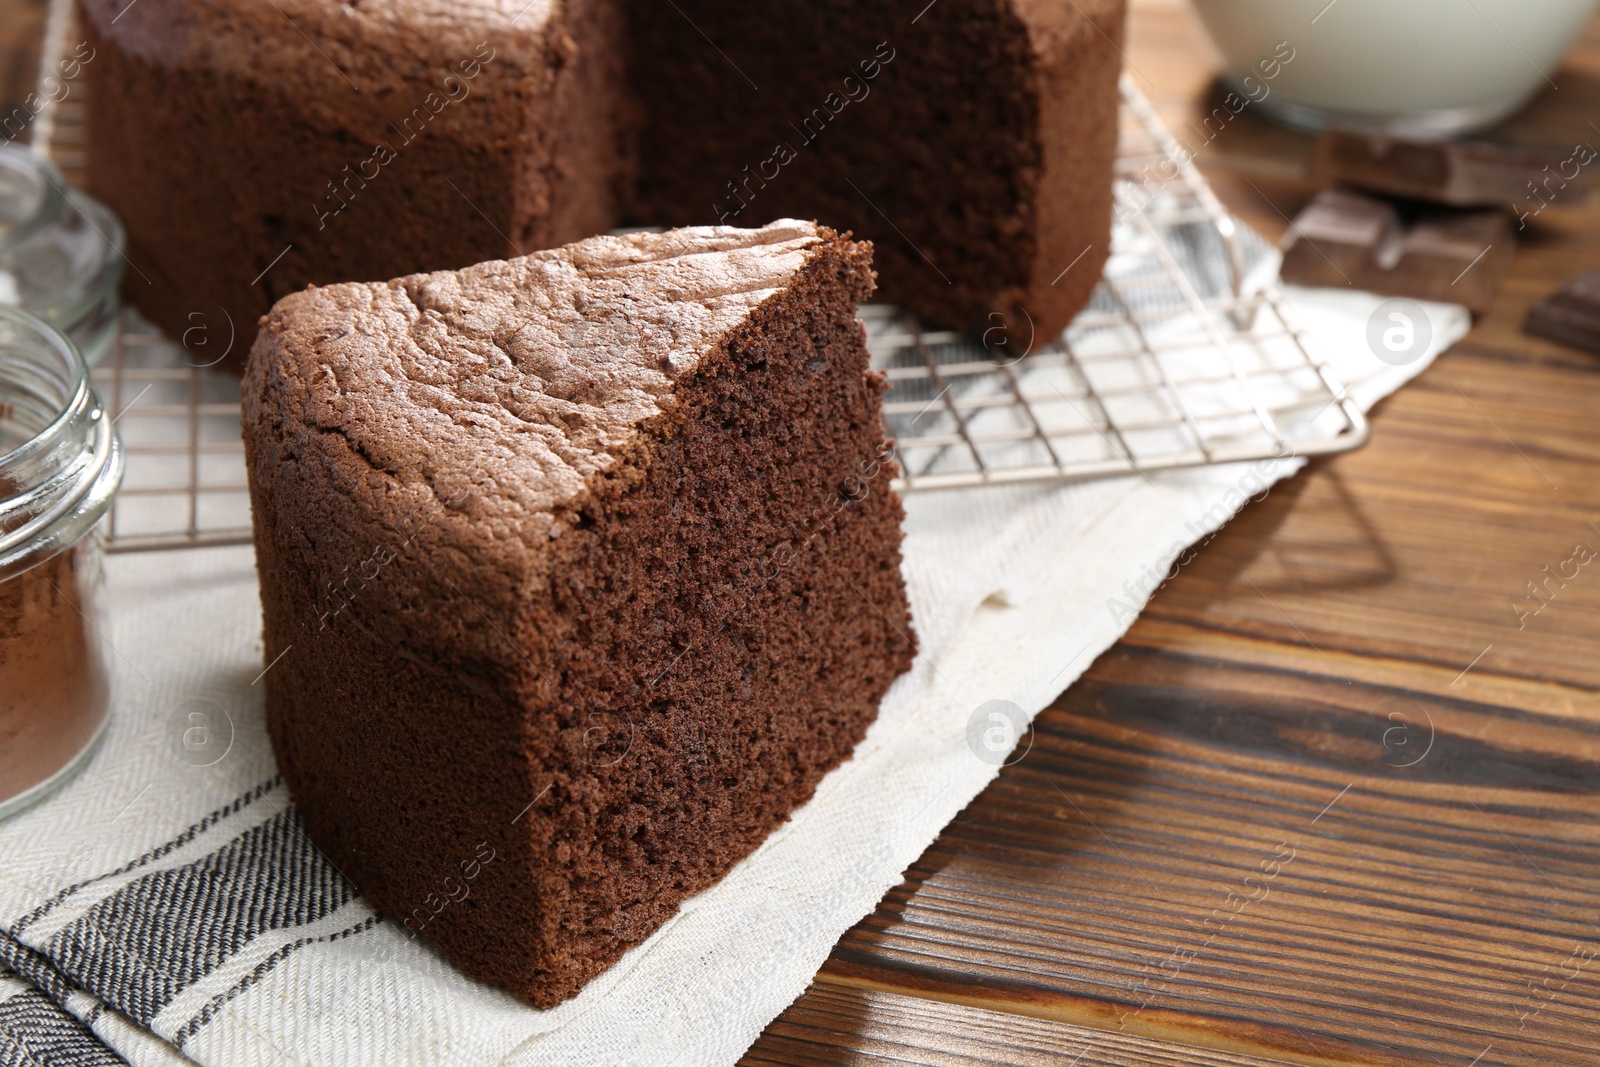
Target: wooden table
x: 1328, y: 802
x: 1215, y: 852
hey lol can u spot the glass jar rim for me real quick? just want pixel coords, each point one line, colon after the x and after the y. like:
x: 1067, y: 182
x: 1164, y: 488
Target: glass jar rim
x: 61, y: 480
x: 51, y: 187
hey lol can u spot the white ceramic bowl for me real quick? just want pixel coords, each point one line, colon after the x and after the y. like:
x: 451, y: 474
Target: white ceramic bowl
x: 1423, y: 69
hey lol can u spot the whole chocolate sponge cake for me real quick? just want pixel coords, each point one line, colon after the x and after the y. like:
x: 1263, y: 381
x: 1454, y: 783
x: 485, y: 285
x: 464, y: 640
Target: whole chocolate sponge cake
x: 586, y: 561
x: 254, y: 148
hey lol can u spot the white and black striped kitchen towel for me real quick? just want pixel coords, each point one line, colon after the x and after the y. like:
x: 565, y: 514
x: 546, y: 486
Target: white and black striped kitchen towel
x: 156, y: 911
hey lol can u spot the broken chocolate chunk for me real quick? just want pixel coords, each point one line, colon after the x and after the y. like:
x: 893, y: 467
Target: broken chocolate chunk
x: 1345, y: 238
x: 1571, y: 315
x: 1458, y: 173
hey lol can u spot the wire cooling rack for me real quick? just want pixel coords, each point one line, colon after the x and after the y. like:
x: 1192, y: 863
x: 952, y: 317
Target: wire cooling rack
x: 1186, y: 355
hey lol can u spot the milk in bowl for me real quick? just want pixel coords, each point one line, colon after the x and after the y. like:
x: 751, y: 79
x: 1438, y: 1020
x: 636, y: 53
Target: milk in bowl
x: 1425, y: 69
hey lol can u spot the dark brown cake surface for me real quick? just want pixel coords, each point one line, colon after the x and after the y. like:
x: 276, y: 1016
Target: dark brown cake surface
x: 586, y: 560
x: 971, y: 140
x: 253, y: 148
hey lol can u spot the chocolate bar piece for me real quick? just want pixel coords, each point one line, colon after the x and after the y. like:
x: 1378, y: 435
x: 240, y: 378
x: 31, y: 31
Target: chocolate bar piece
x: 1458, y: 173
x: 1571, y: 315
x: 1345, y: 238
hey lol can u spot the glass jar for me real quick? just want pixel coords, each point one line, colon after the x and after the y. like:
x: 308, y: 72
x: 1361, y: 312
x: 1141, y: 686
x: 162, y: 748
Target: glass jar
x: 60, y: 466
x: 60, y: 252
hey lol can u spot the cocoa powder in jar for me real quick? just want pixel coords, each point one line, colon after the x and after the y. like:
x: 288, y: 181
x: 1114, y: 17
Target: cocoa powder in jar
x: 53, y: 688
x: 61, y: 464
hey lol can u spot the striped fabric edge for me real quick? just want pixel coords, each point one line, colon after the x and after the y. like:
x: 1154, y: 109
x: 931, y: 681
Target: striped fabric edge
x: 218, y: 1002
x: 194, y: 831
x: 75, y: 975
x: 26, y: 972
x: 36, y: 1031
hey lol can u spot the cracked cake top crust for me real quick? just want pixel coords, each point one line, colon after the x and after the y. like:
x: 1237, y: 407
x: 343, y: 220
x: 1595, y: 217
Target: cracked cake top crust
x: 479, y: 408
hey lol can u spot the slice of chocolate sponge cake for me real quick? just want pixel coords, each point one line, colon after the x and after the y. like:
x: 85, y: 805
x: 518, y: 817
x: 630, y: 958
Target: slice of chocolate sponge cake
x: 584, y: 569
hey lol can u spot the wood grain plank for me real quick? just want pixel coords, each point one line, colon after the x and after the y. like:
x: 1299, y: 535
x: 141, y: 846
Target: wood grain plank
x: 1228, y: 857
x: 1409, y: 561
x: 834, y: 1025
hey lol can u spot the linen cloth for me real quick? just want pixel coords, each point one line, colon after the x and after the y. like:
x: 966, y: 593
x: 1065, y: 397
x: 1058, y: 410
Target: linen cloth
x: 164, y: 912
